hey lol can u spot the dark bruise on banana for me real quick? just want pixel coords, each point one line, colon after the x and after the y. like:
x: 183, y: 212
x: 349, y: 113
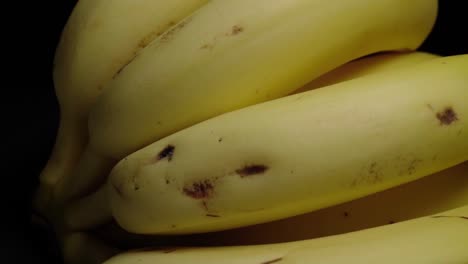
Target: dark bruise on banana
x: 205, y: 189
x: 166, y: 153
x: 199, y: 190
x: 446, y: 116
x: 372, y: 173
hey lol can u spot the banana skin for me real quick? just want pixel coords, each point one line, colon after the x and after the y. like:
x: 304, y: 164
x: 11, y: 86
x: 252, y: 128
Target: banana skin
x: 199, y: 68
x: 441, y: 191
x: 88, y: 211
x: 297, y: 154
x: 227, y: 55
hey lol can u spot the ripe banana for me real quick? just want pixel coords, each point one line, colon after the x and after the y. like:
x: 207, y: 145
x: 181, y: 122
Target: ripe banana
x: 228, y: 55
x: 99, y: 39
x: 202, y: 68
x: 384, y: 62
x: 435, y: 193
x: 292, y: 155
x: 81, y: 214
x: 439, y: 238
x: 438, y: 192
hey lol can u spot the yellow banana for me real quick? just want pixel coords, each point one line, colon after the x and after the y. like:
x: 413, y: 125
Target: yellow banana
x: 99, y: 39
x: 82, y: 213
x: 438, y: 192
x: 384, y: 62
x: 299, y: 153
x: 183, y: 76
x: 439, y: 238
x: 228, y: 55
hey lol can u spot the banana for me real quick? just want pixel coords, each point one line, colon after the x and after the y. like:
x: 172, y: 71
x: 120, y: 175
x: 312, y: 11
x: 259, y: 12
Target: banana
x: 384, y: 62
x: 228, y: 55
x: 99, y: 39
x: 438, y: 192
x: 439, y: 238
x: 82, y: 214
x: 223, y: 52
x: 295, y: 154
x: 442, y: 191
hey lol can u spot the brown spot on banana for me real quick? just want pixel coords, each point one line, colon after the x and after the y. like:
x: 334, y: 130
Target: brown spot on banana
x: 250, y: 170
x: 412, y: 166
x: 207, y: 46
x: 236, y: 29
x: 199, y: 190
x: 167, y: 152
x: 447, y: 116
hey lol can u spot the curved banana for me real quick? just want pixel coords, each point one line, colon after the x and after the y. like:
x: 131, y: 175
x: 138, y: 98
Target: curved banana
x: 227, y: 55
x: 438, y: 192
x: 99, y: 39
x: 222, y: 58
x: 298, y: 154
x: 384, y: 62
x: 439, y: 238
x: 84, y: 216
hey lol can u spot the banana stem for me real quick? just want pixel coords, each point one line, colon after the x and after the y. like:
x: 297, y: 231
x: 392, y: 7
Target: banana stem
x: 69, y: 144
x: 90, y: 211
x: 71, y: 138
x: 90, y: 173
x: 80, y: 248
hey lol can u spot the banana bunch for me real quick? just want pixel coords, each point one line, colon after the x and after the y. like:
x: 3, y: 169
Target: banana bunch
x: 286, y: 131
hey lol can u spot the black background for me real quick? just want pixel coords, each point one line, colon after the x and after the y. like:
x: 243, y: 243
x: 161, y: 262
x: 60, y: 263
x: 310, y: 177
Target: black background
x: 30, y: 114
